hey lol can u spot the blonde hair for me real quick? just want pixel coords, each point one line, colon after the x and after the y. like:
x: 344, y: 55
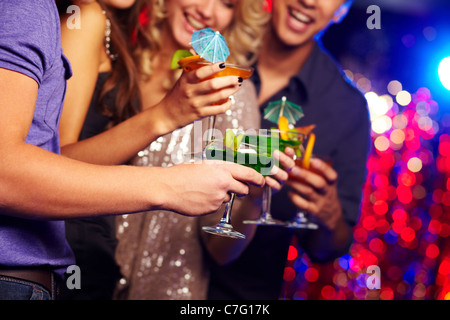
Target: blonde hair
x: 244, y: 35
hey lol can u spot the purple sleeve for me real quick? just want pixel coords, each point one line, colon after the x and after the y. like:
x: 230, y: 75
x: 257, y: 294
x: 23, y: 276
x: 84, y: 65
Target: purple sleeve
x: 25, y: 38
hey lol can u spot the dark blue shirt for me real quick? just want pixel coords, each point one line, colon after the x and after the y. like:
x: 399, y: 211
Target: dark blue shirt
x: 342, y: 130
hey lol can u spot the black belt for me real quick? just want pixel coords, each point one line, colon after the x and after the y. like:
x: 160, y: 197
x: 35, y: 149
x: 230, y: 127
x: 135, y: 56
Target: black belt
x: 42, y: 277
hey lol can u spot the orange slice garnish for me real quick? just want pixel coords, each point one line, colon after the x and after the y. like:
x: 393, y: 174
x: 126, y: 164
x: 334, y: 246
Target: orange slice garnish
x: 283, y: 126
x: 308, y: 150
x: 306, y: 129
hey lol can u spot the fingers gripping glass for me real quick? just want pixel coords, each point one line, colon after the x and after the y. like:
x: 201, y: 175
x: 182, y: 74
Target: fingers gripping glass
x: 248, y: 150
x: 301, y: 221
x: 276, y: 140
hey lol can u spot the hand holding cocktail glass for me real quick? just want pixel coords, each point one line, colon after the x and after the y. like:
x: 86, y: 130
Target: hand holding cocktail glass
x: 252, y: 149
x: 192, y: 99
x: 314, y: 190
x: 211, y: 48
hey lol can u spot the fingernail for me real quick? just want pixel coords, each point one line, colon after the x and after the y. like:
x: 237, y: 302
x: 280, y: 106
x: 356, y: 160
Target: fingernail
x: 240, y: 79
x: 295, y: 171
x: 222, y: 65
x: 274, y: 170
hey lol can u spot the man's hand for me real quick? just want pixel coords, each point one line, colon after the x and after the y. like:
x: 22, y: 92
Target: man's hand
x: 201, y: 188
x: 315, y: 191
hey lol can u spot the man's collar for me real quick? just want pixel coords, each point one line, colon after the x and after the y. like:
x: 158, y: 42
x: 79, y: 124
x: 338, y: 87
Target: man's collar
x: 304, y: 81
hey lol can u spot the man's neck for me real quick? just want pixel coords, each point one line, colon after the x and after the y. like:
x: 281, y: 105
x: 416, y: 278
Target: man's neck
x: 278, y: 62
x: 283, y: 58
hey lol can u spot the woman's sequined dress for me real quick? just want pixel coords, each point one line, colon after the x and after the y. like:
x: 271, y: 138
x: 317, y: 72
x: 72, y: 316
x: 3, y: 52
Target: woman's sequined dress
x: 160, y: 252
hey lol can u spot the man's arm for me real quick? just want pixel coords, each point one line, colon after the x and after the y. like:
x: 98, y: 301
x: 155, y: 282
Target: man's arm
x: 35, y: 183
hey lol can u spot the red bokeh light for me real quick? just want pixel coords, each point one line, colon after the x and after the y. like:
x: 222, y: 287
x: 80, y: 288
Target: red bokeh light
x: 292, y: 253
x: 311, y: 274
x: 380, y: 207
x: 404, y: 194
x: 386, y: 294
x: 432, y: 251
x: 382, y: 226
x: 408, y: 234
x: 376, y: 245
x: 369, y: 222
x: 289, y: 274
x: 328, y: 292
x: 399, y: 215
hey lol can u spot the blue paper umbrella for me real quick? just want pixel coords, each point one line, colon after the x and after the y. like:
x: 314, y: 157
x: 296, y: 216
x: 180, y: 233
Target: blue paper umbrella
x: 210, y: 45
x: 283, y: 108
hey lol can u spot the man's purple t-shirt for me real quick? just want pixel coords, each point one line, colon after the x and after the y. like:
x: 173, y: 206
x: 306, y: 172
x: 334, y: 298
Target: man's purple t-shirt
x: 30, y: 44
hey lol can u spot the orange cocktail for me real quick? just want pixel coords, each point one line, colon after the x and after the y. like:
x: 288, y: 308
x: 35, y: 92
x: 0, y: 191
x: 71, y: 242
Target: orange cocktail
x: 195, y: 62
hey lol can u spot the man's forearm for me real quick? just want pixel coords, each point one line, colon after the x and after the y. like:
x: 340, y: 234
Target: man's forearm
x: 45, y: 185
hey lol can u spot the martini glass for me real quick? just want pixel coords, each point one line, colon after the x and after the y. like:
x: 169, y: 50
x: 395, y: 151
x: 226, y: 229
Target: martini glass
x: 301, y: 221
x: 275, y: 140
x: 245, y: 153
x: 195, y: 62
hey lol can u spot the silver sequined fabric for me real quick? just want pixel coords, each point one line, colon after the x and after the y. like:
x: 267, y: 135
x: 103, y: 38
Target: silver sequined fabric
x: 160, y: 252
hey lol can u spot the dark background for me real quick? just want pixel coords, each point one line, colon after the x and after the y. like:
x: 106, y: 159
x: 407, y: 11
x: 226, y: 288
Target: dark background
x: 414, y: 37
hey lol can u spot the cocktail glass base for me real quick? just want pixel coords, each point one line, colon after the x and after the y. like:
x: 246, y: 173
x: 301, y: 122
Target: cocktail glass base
x: 265, y: 221
x: 224, y: 229
x: 302, y: 225
x: 301, y: 222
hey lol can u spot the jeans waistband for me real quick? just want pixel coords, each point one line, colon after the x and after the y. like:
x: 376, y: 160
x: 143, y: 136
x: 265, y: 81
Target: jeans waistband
x: 42, y: 277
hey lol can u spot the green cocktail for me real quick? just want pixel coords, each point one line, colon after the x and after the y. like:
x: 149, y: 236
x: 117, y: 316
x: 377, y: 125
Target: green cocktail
x: 261, y: 163
x: 267, y: 143
x: 254, y: 151
x: 272, y: 140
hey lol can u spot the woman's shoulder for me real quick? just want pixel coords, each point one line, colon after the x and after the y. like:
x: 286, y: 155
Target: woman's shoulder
x: 88, y: 30
x: 91, y: 18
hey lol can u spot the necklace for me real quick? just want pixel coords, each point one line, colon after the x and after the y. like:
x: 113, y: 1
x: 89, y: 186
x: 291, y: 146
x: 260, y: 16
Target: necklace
x: 112, y: 56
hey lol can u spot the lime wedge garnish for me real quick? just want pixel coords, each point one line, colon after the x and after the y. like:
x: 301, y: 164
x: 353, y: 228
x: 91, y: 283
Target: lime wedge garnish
x: 229, y: 139
x: 293, y: 135
x: 232, y: 141
x: 177, y: 56
x: 237, y: 141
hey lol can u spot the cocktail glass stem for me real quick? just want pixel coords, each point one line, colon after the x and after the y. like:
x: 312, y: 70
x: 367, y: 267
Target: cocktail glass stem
x: 224, y: 227
x: 266, y: 217
x: 211, y: 125
x: 267, y: 199
x: 227, y: 214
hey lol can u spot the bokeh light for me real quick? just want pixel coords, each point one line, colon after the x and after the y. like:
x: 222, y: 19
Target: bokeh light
x: 405, y: 214
x: 403, y: 98
x: 404, y: 223
x: 444, y: 72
